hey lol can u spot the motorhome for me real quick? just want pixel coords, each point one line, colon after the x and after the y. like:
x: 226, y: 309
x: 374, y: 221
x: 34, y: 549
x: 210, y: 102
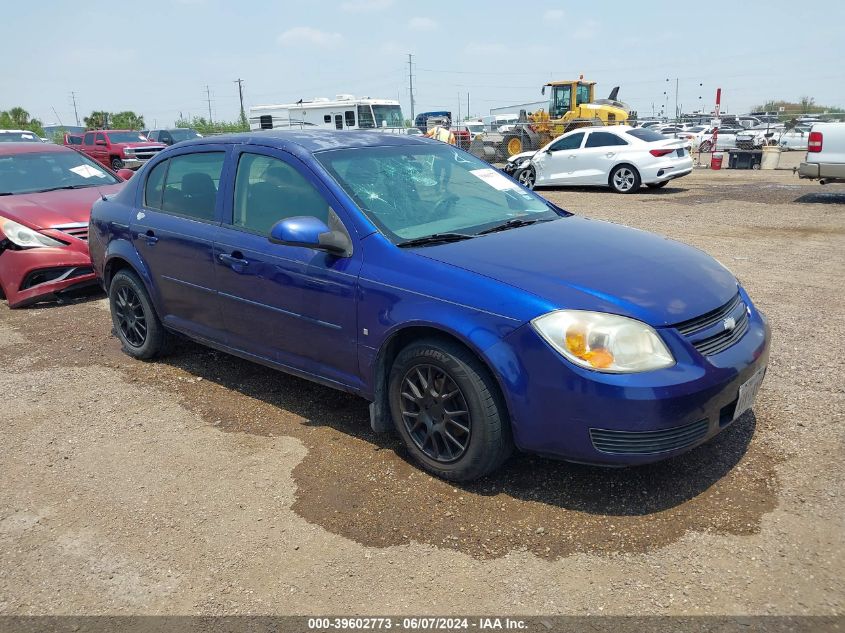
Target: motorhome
x: 344, y: 112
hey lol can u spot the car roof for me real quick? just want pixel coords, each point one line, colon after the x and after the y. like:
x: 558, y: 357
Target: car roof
x: 312, y: 140
x: 8, y: 149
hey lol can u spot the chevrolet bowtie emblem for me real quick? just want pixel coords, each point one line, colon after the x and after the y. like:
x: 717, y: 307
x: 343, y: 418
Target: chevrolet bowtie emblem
x: 729, y: 323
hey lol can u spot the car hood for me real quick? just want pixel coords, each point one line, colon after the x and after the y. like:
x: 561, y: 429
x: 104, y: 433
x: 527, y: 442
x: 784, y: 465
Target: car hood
x: 53, y: 208
x: 585, y: 264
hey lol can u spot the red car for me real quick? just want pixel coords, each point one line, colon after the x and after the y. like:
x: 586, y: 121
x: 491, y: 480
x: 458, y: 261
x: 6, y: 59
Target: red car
x: 46, y: 193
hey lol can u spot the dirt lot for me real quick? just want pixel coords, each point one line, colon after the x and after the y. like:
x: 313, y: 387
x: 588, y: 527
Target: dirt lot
x: 206, y: 484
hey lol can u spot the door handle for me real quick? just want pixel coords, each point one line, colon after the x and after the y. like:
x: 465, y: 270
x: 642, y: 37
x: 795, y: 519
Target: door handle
x: 235, y: 259
x: 150, y: 236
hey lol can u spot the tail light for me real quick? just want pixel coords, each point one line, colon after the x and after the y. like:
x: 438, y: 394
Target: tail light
x: 660, y: 152
x: 814, y: 142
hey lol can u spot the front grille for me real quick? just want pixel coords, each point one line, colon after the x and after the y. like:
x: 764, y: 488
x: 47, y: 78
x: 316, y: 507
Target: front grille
x: 648, y: 442
x: 145, y: 153
x: 79, y: 231
x: 723, y: 340
x: 695, y: 330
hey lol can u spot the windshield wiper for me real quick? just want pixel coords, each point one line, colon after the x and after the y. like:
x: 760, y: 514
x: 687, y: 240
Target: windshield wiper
x: 513, y: 223
x: 435, y: 238
x: 64, y: 187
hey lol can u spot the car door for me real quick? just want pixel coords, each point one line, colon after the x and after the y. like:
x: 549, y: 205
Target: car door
x: 173, y: 232
x: 557, y: 164
x: 101, y: 149
x: 602, y: 150
x: 290, y: 304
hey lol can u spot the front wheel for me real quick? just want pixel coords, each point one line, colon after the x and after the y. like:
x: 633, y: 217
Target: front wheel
x: 448, y: 410
x: 136, y: 324
x: 624, y: 179
x: 527, y: 177
x: 116, y: 163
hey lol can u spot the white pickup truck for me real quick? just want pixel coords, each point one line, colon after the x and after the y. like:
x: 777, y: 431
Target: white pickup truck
x: 825, y: 159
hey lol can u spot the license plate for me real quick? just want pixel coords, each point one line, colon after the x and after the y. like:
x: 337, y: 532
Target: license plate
x: 681, y: 152
x: 748, y: 392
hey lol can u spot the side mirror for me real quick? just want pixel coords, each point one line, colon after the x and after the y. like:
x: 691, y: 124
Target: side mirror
x: 126, y: 174
x: 310, y: 232
x: 99, y: 142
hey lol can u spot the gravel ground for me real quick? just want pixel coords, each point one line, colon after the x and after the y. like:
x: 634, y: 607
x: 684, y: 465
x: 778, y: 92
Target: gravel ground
x: 205, y: 484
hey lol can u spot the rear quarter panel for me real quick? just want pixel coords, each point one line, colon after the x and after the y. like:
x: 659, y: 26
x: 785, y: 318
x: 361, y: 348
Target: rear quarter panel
x: 833, y: 143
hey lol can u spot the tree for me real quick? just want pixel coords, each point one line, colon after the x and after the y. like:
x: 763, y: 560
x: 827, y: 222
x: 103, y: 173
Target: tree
x: 96, y: 120
x: 203, y: 126
x: 18, y: 118
x: 126, y: 120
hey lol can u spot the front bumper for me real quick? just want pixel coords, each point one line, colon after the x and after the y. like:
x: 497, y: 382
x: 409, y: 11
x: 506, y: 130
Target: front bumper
x: 32, y: 275
x: 564, y: 411
x: 133, y: 163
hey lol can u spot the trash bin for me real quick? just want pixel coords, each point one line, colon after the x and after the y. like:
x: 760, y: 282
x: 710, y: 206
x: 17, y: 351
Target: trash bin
x: 745, y: 158
x: 771, y: 157
x: 716, y: 160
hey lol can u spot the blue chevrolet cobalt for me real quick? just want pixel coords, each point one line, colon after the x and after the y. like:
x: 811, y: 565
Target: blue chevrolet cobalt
x: 473, y: 314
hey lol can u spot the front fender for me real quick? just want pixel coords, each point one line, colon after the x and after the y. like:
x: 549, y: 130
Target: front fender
x: 120, y: 252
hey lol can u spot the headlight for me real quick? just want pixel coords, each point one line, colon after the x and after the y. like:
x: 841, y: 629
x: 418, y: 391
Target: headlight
x: 129, y: 151
x: 26, y: 237
x: 604, y: 342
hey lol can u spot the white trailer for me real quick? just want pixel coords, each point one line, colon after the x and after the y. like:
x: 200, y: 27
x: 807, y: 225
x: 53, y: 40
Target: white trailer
x: 345, y: 112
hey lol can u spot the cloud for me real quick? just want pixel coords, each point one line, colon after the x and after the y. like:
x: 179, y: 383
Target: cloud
x: 422, y: 24
x: 307, y: 35
x: 482, y: 49
x: 365, y: 6
x: 553, y: 15
x: 586, y: 31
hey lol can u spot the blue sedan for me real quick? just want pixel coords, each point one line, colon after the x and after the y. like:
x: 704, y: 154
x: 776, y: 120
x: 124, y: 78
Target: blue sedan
x: 474, y: 315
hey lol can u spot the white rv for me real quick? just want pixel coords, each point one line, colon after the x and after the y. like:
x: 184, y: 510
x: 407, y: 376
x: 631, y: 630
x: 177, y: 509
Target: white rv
x: 345, y: 112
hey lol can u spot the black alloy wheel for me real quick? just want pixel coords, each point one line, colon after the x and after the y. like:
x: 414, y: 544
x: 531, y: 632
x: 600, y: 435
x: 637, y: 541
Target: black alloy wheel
x: 435, y: 413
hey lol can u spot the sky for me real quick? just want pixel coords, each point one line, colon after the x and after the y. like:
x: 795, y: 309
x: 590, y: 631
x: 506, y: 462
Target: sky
x: 159, y: 58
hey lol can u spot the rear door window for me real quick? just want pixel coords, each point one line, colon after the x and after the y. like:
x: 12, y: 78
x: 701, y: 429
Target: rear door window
x: 191, y: 185
x: 603, y: 139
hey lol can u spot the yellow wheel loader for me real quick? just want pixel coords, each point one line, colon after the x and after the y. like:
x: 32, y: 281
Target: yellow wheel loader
x: 571, y: 105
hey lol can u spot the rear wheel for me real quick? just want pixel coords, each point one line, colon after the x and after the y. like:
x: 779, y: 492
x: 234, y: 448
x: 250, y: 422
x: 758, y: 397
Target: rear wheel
x: 527, y: 177
x: 448, y: 410
x: 136, y: 324
x: 624, y: 179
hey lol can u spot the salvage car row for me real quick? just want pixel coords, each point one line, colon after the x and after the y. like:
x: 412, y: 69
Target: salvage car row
x: 474, y: 315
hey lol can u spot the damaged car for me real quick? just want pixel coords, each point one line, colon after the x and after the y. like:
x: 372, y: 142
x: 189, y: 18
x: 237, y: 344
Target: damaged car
x: 46, y: 193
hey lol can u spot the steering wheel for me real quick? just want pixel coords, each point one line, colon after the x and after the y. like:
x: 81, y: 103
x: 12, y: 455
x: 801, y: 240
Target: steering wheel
x: 443, y: 206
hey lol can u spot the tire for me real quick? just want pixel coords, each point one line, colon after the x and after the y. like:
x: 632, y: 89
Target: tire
x: 657, y: 185
x: 705, y: 147
x: 514, y: 144
x: 526, y: 177
x: 476, y: 439
x: 624, y: 179
x: 116, y: 163
x: 135, y: 321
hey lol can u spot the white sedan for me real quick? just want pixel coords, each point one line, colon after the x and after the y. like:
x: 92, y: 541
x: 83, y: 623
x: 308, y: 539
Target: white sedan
x: 620, y: 157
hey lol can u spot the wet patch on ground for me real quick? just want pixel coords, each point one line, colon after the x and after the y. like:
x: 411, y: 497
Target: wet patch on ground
x: 363, y: 486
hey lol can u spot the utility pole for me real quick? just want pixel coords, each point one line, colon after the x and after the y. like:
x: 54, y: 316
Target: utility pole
x: 468, y: 114
x: 411, y: 83
x: 241, y: 94
x: 208, y: 96
x: 677, y: 114
x: 73, y: 96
